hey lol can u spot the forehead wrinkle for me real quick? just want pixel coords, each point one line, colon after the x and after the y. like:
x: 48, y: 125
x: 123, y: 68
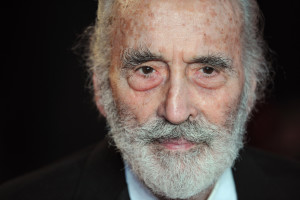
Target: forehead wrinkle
x: 144, y: 25
x: 139, y: 14
x: 127, y: 8
x: 218, y: 18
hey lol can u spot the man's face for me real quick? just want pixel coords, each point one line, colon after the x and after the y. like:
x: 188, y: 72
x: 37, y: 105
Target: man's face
x: 177, y: 60
x: 176, y: 65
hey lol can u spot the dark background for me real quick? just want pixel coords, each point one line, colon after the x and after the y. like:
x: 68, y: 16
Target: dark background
x: 47, y: 111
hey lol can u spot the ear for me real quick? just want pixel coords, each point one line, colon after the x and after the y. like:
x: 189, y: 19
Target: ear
x: 97, y: 98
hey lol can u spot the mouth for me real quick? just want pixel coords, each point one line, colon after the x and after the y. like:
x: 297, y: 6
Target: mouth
x: 176, y: 144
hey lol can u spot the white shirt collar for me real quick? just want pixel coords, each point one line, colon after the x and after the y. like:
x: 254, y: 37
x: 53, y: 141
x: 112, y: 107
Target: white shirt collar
x: 136, y: 189
x: 223, y: 190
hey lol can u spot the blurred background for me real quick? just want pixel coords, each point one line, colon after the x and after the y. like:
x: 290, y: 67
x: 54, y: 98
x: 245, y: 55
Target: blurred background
x: 47, y: 111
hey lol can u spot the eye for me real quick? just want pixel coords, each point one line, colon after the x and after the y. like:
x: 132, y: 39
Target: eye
x: 145, y: 70
x: 146, y: 77
x: 208, y: 76
x: 208, y: 70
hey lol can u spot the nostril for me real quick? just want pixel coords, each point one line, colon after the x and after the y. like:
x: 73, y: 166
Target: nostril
x: 191, y: 118
x: 193, y: 114
x: 178, y: 116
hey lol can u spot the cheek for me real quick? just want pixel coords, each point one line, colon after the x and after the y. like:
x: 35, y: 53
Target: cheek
x: 141, y: 104
x: 216, y: 105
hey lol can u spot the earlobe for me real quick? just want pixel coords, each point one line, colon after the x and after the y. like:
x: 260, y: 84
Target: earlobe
x: 97, y: 98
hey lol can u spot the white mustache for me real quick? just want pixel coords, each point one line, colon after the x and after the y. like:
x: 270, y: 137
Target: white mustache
x: 198, y: 131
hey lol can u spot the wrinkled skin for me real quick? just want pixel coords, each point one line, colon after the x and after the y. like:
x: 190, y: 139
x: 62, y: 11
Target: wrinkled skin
x: 173, y: 85
x: 178, y: 31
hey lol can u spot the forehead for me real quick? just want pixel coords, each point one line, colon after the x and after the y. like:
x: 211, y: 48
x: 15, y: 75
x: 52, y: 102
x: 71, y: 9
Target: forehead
x: 213, y: 25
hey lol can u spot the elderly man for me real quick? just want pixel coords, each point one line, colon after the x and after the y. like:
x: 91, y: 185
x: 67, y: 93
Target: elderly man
x: 176, y: 81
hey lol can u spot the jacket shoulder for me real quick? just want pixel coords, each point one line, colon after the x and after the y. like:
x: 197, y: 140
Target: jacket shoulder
x: 262, y: 175
x: 57, y: 181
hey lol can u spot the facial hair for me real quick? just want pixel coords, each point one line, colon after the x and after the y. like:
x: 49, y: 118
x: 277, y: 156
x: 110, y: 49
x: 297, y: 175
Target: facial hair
x: 175, y: 174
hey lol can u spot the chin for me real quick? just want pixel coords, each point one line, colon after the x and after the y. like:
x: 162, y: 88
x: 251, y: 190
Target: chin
x: 179, y: 173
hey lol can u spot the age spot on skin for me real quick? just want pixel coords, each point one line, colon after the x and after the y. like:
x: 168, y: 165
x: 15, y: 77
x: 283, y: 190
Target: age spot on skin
x: 178, y: 34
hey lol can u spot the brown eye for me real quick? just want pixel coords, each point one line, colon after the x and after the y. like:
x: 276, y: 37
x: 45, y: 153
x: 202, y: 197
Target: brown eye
x: 208, y: 77
x: 146, y: 70
x: 145, y: 78
x: 208, y: 70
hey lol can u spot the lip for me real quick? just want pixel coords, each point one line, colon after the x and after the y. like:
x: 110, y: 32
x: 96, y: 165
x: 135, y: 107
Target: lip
x: 179, y: 144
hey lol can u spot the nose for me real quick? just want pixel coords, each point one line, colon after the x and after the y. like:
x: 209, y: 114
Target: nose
x: 177, y: 106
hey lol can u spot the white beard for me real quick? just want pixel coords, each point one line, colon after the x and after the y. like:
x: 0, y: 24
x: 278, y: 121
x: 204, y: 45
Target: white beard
x: 178, y: 174
x: 175, y: 174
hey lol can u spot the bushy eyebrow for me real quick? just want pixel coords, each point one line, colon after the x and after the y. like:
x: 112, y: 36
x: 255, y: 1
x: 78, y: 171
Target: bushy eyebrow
x: 134, y: 57
x: 217, y: 60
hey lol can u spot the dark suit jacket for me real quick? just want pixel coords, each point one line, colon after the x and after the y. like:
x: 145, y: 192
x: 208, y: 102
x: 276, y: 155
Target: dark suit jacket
x: 98, y: 173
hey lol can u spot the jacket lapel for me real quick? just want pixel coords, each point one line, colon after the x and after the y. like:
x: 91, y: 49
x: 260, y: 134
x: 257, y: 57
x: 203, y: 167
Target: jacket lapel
x: 103, y: 176
x: 251, y: 179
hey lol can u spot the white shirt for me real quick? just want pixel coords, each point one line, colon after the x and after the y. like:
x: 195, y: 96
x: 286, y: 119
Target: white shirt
x: 223, y: 190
